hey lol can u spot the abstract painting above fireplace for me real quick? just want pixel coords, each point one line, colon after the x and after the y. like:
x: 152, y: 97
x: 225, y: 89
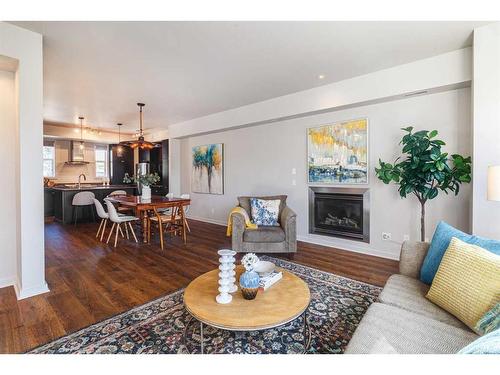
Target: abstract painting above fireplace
x: 337, y: 153
x: 340, y: 212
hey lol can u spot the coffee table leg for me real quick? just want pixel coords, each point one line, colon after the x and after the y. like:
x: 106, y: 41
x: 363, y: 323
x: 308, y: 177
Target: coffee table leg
x: 201, y: 337
x: 307, y: 333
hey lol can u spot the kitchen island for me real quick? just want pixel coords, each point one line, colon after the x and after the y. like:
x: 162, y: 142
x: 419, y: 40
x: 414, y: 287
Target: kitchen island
x: 58, y: 199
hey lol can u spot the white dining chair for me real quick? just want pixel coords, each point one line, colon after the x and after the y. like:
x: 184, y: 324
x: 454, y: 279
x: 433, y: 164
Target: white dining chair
x: 104, y: 218
x: 166, y: 211
x: 121, y: 209
x: 118, y: 220
x: 82, y: 199
x: 103, y: 215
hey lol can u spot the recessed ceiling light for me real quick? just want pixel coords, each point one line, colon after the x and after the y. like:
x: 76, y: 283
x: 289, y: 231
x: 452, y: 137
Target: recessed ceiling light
x: 321, y: 76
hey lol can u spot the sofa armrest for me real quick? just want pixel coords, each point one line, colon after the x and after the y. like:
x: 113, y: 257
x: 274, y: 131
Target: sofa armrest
x: 238, y: 223
x: 287, y: 214
x: 412, y: 257
x: 288, y: 221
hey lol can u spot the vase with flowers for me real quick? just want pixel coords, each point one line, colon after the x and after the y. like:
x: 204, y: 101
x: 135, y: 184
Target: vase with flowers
x: 249, y: 280
x: 145, y: 181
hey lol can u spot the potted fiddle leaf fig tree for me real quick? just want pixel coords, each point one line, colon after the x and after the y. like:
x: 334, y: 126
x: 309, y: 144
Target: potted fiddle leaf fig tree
x: 424, y: 169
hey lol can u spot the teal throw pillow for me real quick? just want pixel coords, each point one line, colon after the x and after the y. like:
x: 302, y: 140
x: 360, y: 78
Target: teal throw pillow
x: 440, y: 242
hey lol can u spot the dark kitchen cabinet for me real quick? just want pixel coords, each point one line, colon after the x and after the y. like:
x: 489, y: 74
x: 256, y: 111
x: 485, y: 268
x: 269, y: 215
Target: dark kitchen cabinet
x: 121, y: 161
x: 164, y: 164
x: 48, y: 202
x: 63, y: 201
x: 158, y: 162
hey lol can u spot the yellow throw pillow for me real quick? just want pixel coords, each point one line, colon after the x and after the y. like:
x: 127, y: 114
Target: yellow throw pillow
x: 467, y: 283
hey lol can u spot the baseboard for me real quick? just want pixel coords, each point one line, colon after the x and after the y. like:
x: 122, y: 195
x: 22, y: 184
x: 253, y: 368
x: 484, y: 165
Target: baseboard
x: 7, y: 281
x: 204, y: 219
x: 23, y: 293
x: 347, y: 245
x: 322, y: 240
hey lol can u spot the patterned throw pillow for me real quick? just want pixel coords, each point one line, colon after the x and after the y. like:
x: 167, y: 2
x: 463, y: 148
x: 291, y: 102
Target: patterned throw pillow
x: 490, y: 321
x: 265, y: 212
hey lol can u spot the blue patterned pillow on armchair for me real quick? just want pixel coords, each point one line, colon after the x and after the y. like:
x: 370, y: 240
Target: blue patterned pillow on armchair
x: 265, y: 212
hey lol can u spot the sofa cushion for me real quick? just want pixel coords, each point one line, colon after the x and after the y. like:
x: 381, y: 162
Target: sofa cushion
x: 409, y: 294
x: 264, y: 234
x: 388, y: 329
x: 440, y: 242
x: 467, y: 283
x: 245, y: 202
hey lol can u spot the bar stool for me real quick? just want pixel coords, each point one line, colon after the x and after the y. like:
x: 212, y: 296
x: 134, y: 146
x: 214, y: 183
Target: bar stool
x: 82, y: 199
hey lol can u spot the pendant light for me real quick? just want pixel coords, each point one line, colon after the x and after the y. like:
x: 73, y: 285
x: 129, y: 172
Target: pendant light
x: 119, y: 149
x: 140, y: 142
x: 82, y: 144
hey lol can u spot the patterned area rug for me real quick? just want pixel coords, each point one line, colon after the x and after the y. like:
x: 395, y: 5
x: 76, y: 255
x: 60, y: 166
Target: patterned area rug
x: 337, y: 306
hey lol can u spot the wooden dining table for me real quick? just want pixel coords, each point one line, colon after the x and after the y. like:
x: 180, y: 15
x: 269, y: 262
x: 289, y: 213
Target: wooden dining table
x: 141, y: 206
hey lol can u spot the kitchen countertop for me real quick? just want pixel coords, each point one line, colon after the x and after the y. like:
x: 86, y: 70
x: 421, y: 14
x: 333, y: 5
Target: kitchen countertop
x: 64, y: 187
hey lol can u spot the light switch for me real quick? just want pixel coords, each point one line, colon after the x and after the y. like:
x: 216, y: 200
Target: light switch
x: 294, y: 182
x: 294, y: 171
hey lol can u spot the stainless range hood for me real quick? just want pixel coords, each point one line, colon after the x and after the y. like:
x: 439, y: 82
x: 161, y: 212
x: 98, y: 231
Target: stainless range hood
x: 76, y: 154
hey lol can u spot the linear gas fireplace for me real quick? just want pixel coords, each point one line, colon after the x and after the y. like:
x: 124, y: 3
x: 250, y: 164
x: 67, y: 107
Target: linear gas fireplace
x: 340, y: 212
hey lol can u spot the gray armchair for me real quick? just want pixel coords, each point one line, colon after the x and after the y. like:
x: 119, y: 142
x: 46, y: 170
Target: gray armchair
x: 281, y: 239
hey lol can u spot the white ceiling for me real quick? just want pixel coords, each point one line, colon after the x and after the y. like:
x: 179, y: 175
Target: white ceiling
x: 184, y: 70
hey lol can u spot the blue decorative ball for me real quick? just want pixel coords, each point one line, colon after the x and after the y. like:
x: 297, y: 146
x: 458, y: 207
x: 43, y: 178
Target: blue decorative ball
x: 249, y: 283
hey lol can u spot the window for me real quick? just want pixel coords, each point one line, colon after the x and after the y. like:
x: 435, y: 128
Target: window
x: 49, y: 160
x: 101, y: 153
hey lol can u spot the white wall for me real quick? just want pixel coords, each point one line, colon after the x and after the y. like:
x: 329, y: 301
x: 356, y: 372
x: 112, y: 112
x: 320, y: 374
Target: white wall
x: 486, y: 101
x: 7, y: 198
x: 69, y: 173
x: 259, y: 160
x: 26, y: 47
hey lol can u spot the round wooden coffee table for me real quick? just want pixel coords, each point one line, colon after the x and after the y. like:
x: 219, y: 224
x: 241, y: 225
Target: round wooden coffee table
x: 282, y: 303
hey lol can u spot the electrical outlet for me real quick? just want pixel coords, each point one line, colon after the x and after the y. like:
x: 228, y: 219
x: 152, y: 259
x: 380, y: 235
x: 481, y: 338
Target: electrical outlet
x: 212, y: 211
x: 294, y: 171
x: 386, y: 236
x: 406, y: 237
x: 294, y: 182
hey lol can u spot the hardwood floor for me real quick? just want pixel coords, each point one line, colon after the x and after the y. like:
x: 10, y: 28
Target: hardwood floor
x: 90, y: 281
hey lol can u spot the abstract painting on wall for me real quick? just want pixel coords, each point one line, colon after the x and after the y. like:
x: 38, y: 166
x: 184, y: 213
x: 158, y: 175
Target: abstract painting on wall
x: 207, y: 175
x: 337, y: 153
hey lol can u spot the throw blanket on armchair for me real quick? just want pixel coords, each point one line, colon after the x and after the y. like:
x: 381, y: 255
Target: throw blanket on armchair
x: 248, y: 223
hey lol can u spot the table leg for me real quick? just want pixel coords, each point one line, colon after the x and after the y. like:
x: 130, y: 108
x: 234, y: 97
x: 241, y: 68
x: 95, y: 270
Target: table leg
x: 144, y: 226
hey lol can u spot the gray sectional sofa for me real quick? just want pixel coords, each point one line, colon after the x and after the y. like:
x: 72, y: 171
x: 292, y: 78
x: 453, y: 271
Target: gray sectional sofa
x: 404, y: 321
